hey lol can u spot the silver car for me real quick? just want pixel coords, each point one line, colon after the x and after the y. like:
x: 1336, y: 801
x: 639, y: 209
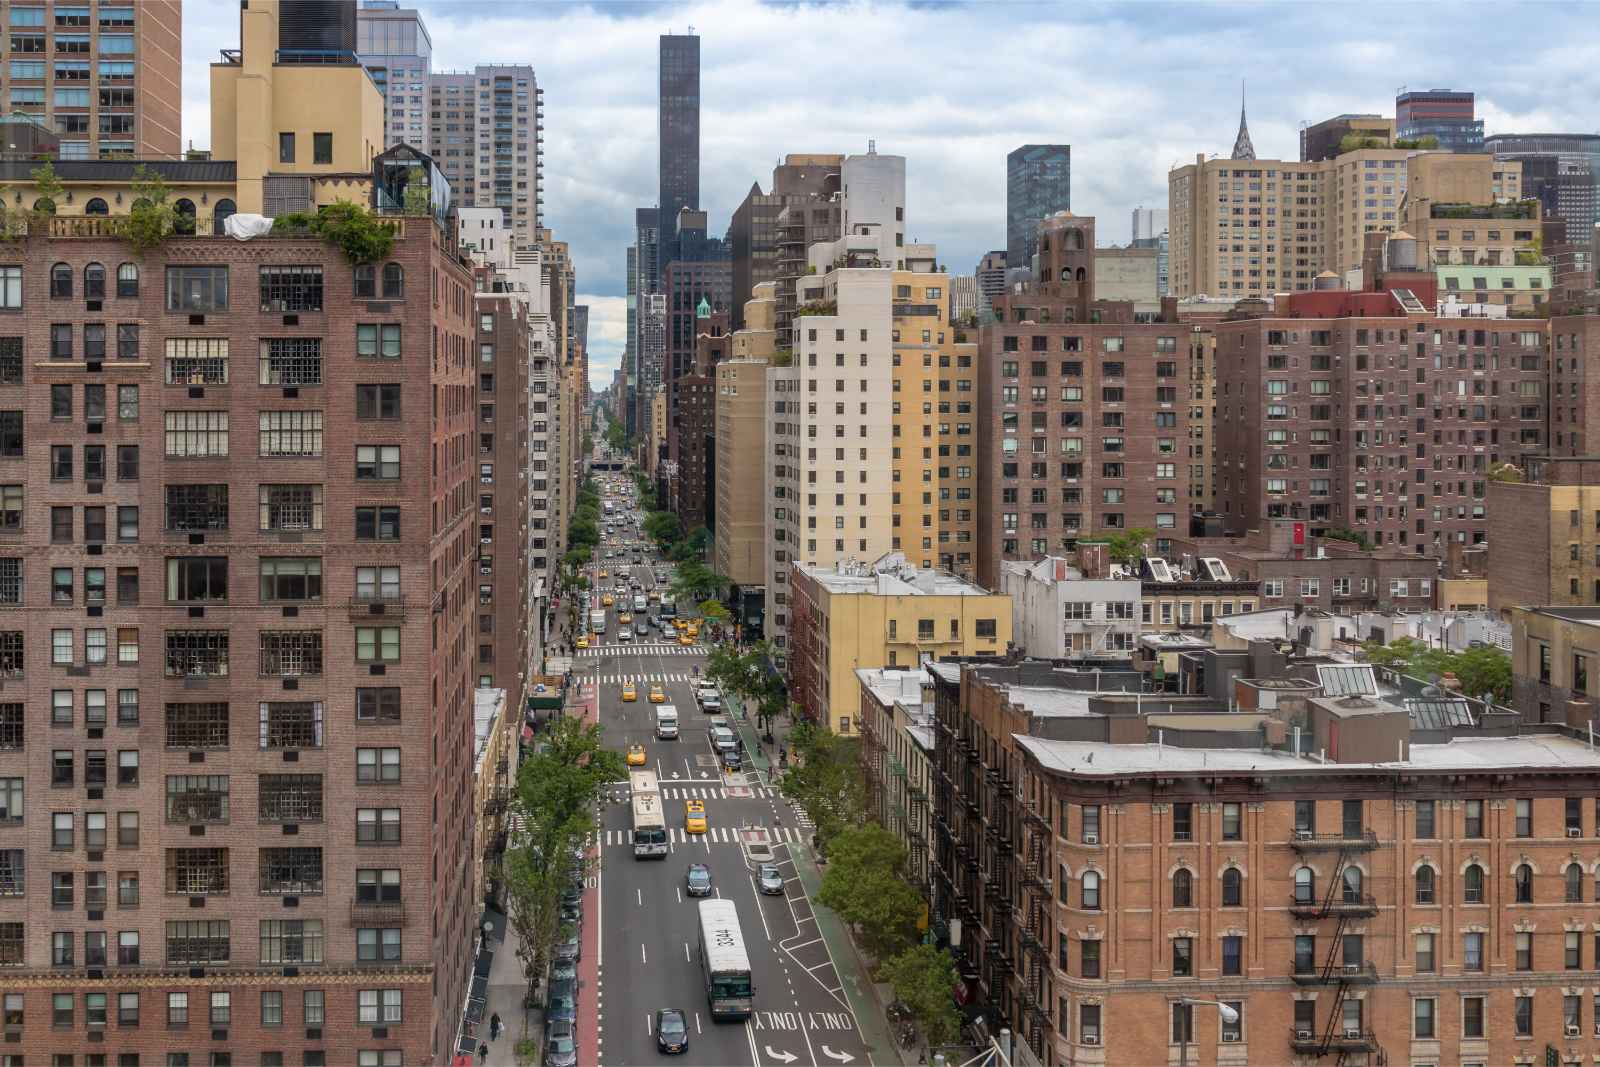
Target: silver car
x: 770, y: 879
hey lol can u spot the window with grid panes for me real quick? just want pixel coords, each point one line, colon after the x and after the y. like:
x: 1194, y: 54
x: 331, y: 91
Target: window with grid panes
x: 291, y: 507
x: 197, y: 725
x: 196, y: 508
x: 196, y: 872
x: 293, y: 871
x: 196, y: 434
x: 291, y: 361
x: 197, y: 798
x: 289, y: 798
x: 198, y: 941
x: 291, y: 433
x: 196, y: 653
x: 197, y: 361
x: 291, y: 288
x: 291, y: 653
x: 291, y: 724
x: 291, y: 941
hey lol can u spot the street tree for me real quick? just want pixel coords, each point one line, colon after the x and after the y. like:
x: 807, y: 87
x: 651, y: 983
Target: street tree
x: 923, y: 978
x: 825, y: 780
x: 866, y: 884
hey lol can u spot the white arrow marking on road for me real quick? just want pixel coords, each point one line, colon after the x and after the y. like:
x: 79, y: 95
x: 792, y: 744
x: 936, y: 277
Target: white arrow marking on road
x: 842, y: 1057
x: 786, y: 1056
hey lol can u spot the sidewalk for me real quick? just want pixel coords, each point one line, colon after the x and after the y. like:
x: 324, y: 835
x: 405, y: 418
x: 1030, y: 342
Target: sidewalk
x: 506, y: 989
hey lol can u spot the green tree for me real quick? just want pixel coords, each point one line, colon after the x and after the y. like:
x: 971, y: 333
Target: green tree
x: 745, y: 673
x: 866, y: 884
x: 662, y: 527
x: 696, y: 582
x: 1481, y: 670
x: 1485, y: 669
x: 48, y: 189
x: 1343, y: 533
x: 714, y: 611
x: 924, y: 979
x: 825, y: 779
x: 1129, y: 545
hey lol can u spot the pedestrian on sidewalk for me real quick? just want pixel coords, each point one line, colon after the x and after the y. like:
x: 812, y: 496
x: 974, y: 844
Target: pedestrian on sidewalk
x: 494, y: 1027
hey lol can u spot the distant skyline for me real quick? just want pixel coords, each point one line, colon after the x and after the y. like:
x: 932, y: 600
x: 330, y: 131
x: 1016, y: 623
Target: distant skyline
x: 1135, y: 89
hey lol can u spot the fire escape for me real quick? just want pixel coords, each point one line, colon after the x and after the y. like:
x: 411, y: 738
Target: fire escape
x: 965, y: 829
x: 998, y: 847
x: 872, y: 763
x: 1034, y: 874
x: 1345, y: 966
x: 917, y: 826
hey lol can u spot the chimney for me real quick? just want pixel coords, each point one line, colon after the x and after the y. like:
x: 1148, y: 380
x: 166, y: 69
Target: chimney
x: 1094, y: 559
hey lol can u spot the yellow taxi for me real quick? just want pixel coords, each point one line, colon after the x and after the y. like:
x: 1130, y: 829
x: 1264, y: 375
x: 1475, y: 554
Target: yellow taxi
x: 692, y: 630
x: 582, y: 642
x: 624, y: 618
x: 685, y: 639
x: 694, y: 816
x: 654, y: 597
x: 680, y: 625
x: 607, y: 600
x: 630, y: 693
x: 636, y: 755
x: 657, y: 695
x: 605, y: 574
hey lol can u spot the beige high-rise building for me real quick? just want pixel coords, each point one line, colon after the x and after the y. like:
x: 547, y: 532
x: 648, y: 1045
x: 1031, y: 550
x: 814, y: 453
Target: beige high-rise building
x: 739, y: 538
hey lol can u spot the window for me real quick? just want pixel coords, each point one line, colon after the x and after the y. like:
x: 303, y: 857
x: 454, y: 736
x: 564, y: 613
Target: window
x: 378, y: 401
x: 1232, y: 826
x: 291, y: 724
x: 376, y: 1007
x: 197, y: 798
x: 377, y: 644
x: 378, y: 340
x: 1091, y: 891
x: 197, y: 434
x: 1424, y: 953
x: 1473, y: 821
x: 291, y: 361
x: 197, y: 579
x: 322, y: 148
x: 1182, y: 889
x: 291, y: 288
x: 291, y: 871
x: 1424, y: 880
x: 290, y: 941
x: 1182, y: 821
x: 377, y: 826
x: 378, y: 705
x: 1089, y: 958
x: 197, y: 361
x: 313, y: 1003
x: 197, y: 289
x: 291, y: 433
x: 1182, y: 957
x: 377, y: 765
x: 394, y: 281
x: 1524, y: 817
x: 1304, y: 885
x: 378, y: 943
x: 1422, y: 1017
x: 11, y: 288
x: 1472, y: 952
x: 196, y: 508
x: 271, y: 1007
x: 291, y: 507
x: 285, y: 147
x: 1232, y: 888
x: 221, y: 1008
x: 1472, y: 884
x: 378, y: 523
x: 289, y: 798
x: 61, y: 282
x: 197, y: 871
x: 378, y: 462
x: 1522, y: 1016
x: 291, y: 578
x: 196, y: 653
x: 1522, y: 878
x: 128, y: 280
x: 291, y: 653
x: 196, y: 726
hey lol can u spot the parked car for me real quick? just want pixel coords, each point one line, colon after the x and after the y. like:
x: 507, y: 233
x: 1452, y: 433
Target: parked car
x: 569, y: 948
x: 560, y: 1045
x: 770, y: 879
x: 561, y: 1002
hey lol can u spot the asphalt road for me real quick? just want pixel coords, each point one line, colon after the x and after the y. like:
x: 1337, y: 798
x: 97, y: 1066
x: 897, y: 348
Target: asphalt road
x: 648, y: 926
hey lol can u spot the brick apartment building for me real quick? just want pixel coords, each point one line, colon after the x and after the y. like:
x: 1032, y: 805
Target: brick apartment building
x: 503, y: 333
x: 692, y: 440
x: 1363, y: 411
x: 281, y: 618
x: 1083, y: 414
x: 1435, y: 908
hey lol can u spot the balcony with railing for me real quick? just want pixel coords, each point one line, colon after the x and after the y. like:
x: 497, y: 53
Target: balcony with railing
x: 1347, y: 905
x: 388, y: 607
x: 1310, y: 841
x: 377, y: 913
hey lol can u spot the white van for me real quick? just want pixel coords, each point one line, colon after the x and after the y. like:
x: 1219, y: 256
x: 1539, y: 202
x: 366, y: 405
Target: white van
x: 666, y: 722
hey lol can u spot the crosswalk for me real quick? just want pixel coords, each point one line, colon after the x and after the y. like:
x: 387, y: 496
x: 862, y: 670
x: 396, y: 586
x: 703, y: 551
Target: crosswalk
x: 715, y: 835
x: 712, y: 792
x: 642, y: 679
x: 648, y: 648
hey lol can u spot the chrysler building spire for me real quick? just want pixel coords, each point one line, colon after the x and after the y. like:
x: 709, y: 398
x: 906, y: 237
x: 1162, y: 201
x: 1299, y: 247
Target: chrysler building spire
x: 1242, y: 148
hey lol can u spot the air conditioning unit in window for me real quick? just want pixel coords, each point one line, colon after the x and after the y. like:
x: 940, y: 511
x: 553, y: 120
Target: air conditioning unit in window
x: 1302, y: 1035
x: 1091, y: 839
x: 1352, y: 1034
x: 1352, y: 968
x: 1228, y: 1037
x: 1091, y: 1039
x: 1572, y: 1029
x: 1574, y: 831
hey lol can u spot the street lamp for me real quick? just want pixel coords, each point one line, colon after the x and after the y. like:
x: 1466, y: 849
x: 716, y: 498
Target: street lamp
x: 1229, y: 1015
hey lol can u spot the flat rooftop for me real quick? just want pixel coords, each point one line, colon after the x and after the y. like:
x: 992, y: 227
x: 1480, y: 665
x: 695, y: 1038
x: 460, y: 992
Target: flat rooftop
x: 908, y: 581
x: 1587, y: 616
x: 1049, y: 702
x: 1099, y: 759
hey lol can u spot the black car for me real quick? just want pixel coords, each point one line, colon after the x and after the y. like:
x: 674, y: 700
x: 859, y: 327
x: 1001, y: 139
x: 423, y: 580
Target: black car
x: 731, y: 760
x: 672, y: 1031
x: 698, y: 880
x: 564, y: 972
x: 571, y: 914
x: 560, y: 1045
x: 573, y: 895
x: 561, y: 1003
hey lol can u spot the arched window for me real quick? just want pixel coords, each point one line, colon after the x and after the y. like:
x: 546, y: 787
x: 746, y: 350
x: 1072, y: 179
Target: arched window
x: 1232, y: 888
x: 1523, y: 876
x: 128, y: 279
x: 1304, y: 885
x: 1081, y: 274
x: 394, y: 281
x: 60, y: 282
x: 1424, y: 881
x: 1472, y: 884
x: 94, y: 281
x: 1091, y: 891
x: 1352, y: 885
x: 96, y: 206
x: 44, y: 206
x: 1075, y: 240
x: 366, y: 282
x: 1574, y: 875
x: 183, y: 218
x: 1182, y: 889
x: 220, y: 214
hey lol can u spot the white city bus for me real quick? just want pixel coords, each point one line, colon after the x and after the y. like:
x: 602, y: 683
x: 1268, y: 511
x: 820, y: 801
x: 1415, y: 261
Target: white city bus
x: 649, y: 821
x: 723, y: 961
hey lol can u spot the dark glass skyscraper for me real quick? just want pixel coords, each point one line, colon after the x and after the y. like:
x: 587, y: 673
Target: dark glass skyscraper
x: 1038, y: 183
x: 1443, y: 113
x: 678, y: 115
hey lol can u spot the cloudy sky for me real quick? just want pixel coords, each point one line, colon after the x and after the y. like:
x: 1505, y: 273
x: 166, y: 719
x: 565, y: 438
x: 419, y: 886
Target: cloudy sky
x: 1134, y: 88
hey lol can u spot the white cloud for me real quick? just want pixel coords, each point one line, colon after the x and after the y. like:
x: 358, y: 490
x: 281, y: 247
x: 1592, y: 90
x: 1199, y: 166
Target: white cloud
x: 1134, y: 89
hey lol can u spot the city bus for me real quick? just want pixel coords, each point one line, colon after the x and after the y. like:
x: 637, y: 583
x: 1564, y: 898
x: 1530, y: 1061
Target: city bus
x: 723, y: 961
x: 649, y: 821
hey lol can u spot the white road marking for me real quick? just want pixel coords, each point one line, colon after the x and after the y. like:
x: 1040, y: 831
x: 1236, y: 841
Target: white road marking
x: 759, y: 910
x: 686, y: 957
x: 641, y: 953
x: 697, y: 1022
x: 649, y: 1023
x: 639, y: 893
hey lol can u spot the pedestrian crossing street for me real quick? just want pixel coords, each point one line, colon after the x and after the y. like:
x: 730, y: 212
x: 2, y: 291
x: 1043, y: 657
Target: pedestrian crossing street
x: 642, y: 679
x: 715, y: 835
x: 648, y: 648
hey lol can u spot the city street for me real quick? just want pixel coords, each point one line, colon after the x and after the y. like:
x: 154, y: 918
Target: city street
x: 647, y: 925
